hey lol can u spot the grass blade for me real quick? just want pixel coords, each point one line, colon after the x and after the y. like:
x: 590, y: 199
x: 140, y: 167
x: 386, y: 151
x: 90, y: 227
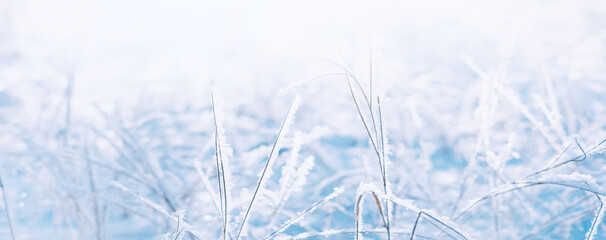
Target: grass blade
x: 8, y: 215
x: 283, y: 130
x: 335, y: 193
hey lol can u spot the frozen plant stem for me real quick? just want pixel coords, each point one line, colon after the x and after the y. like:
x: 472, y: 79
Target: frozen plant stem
x: 359, y: 214
x: 8, y: 216
x: 95, y: 202
x: 313, y: 207
x: 206, y: 184
x: 598, y: 218
x: 524, y: 183
x: 380, y: 154
x: 431, y: 218
x: 382, y: 158
x: 193, y: 234
x: 372, y: 141
x: 283, y: 129
x: 384, y: 173
x: 220, y: 170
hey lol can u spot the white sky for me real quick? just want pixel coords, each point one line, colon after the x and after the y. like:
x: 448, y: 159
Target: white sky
x: 121, y: 48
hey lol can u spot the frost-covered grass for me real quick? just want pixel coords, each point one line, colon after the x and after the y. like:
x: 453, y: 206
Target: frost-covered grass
x: 484, y: 125
x: 500, y: 168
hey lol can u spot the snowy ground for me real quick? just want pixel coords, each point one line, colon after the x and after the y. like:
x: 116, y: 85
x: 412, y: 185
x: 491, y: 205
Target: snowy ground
x: 156, y: 120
